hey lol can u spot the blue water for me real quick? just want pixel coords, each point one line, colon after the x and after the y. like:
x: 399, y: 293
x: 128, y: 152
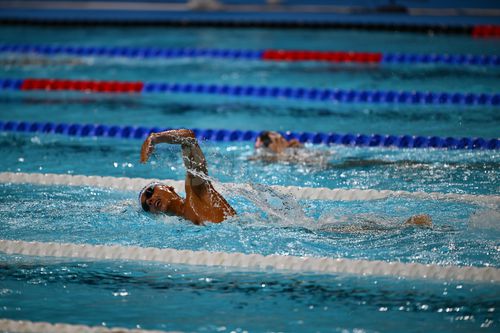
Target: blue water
x: 200, y: 299
x: 462, y: 234
x: 428, y: 170
x: 427, y: 77
x: 157, y: 296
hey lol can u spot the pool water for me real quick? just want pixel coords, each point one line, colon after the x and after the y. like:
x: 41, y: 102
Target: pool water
x: 155, y: 296
x: 428, y: 170
x: 200, y: 299
x: 462, y: 235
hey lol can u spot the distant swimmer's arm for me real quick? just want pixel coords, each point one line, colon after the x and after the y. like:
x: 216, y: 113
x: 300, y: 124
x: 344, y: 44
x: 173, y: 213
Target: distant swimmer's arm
x: 193, y: 157
x: 294, y: 143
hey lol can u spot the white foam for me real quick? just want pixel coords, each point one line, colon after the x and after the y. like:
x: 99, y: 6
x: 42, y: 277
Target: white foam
x: 486, y: 219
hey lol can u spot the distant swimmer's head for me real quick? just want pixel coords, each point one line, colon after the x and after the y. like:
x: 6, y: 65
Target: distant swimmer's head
x: 275, y: 142
x: 160, y: 198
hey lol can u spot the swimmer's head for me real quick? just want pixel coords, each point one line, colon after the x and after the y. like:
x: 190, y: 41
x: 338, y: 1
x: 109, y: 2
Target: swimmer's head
x: 274, y: 142
x: 160, y: 198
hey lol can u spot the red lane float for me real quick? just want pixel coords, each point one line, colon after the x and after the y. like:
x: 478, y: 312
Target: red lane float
x: 294, y: 55
x: 79, y: 85
x: 486, y: 31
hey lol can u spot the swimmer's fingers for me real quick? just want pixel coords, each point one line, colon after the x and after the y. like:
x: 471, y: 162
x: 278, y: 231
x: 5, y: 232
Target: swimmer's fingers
x: 146, y: 150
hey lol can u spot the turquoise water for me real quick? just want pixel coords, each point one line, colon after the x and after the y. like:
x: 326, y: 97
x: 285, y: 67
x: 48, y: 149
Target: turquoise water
x: 427, y: 170
x: 200, y: 299
x: 198, y: 111
x: 153, y: 296
x: 464, y: 235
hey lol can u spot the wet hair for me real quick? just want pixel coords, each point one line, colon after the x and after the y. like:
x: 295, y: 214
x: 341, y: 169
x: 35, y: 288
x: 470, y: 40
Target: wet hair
x: 148, y: 190
x: 265, y: 138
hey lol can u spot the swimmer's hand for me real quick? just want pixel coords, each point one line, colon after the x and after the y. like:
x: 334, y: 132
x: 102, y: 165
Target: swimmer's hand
x: 147, y: 148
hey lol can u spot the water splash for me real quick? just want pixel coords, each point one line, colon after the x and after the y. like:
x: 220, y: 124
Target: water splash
x: 486, y: 219
x: 274, y: 207
x: 120, y: 207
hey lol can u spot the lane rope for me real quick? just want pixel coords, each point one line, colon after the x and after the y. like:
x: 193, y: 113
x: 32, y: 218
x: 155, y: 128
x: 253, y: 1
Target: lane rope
x: 253, y: 261
x: 26, y: 326
x: 223, y: 135
x: 294, y: 93
x: 476, y: 31
x: 307, y: 193
x: 244, y: 54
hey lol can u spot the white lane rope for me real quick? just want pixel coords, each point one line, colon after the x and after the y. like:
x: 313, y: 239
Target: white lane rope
x: 322, y: 265
x: 136, y: 184
x: 26, y: 326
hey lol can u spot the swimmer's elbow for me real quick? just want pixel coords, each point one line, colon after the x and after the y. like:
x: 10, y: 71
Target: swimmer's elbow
x: 187, y: 133
x: 187, y: 137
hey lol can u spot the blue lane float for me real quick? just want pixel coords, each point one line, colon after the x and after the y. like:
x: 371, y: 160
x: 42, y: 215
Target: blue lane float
x: 328, y: 95
x: 129, y: 52
x: 223, y: 135
x: 295, y: 93
x: 236, y: 54
x: 441, y: 59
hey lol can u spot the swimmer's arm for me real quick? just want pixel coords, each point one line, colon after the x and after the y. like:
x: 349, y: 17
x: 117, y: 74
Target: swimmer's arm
x: 193, y: 157
x: 294, y: 143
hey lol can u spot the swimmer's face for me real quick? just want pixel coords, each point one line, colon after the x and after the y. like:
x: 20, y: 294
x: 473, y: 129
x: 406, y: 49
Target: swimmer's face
x: 161, y: 199
x: 272, y: 141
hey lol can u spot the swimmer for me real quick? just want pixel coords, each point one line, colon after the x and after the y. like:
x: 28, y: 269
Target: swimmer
x: 202, y: 203
x: 275, y: 142
x: 271, y: 146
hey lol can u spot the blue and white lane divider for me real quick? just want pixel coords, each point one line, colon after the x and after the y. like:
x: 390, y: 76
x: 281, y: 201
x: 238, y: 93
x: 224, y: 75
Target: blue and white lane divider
x: 294, y: 93
x: 224, y: 135
x: 245, y: 54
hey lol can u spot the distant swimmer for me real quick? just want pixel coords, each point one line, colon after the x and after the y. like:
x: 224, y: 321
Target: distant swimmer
x: 202, y: 203
x: 275, y: 142
x: 271, y: 146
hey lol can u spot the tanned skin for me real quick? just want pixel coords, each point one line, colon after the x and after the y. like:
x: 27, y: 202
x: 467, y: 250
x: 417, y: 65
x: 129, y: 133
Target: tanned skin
x: 202, y: 203
x: 275, y: 142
